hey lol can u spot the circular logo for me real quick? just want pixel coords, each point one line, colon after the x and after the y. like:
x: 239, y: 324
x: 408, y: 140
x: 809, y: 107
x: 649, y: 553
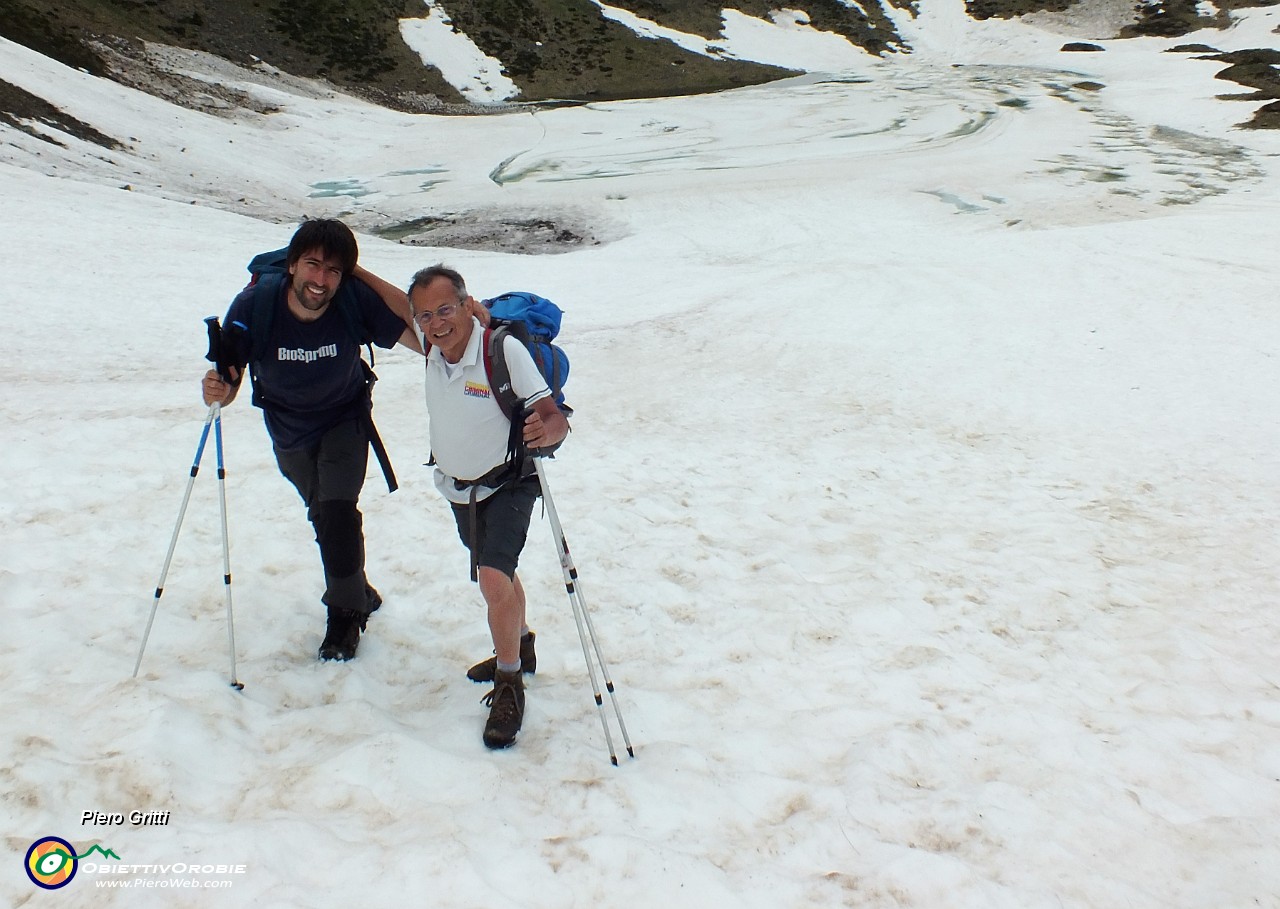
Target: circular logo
x: 51, y: 863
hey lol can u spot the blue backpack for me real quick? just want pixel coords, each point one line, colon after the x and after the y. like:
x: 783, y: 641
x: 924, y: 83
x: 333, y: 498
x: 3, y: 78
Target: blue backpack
x: 535, y: 322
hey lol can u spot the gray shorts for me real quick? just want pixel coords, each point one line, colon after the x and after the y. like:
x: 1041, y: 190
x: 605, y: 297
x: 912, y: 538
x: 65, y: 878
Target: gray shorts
x: 501, y: 525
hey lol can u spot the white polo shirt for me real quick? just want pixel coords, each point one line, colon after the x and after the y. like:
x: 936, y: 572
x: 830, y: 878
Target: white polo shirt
x: 468, y: 429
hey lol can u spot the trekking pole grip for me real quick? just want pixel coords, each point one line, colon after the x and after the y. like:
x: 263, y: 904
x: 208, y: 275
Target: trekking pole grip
x: 214, y: 355
x: 222, y: 349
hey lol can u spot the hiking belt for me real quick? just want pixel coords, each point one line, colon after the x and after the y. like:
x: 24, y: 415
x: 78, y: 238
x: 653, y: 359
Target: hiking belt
x: 516, y: 467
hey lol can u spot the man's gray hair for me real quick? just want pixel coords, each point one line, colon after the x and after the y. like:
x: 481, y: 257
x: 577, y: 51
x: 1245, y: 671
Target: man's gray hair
x: 429, y: 274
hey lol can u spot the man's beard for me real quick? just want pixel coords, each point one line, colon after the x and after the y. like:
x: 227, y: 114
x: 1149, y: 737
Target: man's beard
x: 307, y: 301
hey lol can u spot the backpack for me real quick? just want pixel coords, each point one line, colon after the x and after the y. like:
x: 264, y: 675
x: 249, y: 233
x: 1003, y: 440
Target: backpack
x: 268, y: 271
x: 534, y: 321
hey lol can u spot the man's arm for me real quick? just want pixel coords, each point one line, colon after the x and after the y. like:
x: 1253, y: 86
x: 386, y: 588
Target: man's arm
x: 393, y: 297
x: 410, y: 340
x: 546, y: 425
x: 395, y: 300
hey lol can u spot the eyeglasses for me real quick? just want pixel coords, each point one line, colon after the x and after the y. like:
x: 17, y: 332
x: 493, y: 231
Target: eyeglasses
x: 424, y: 318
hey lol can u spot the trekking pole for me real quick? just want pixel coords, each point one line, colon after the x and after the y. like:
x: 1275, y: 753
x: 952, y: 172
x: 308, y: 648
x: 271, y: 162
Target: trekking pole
x: 214, y: 419
x: 173, y: 541
x: 582, y: 617
x: 226, y: 544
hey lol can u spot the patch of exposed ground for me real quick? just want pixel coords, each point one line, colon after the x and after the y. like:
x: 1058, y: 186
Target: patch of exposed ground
x: 1258, y: 69
x: 527, y: 233
x: 199, y: 80
x: 158, y: 70
x: 37, y: 117
x: 1088, y: 19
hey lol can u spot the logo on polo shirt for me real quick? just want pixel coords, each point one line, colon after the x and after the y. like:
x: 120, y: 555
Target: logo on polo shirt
x: 476, y: 390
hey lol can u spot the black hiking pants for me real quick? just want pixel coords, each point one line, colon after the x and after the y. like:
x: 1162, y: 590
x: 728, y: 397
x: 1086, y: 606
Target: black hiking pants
x: 329, y: 476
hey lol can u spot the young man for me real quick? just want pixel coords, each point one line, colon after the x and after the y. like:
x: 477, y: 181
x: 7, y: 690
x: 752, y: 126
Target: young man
x: 492, y: 499
x: 311, y: 385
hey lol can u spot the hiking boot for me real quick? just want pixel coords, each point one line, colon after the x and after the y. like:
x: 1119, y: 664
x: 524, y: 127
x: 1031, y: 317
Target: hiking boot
x: 506, y: 710
x: 342, y: 635
x: 483, y: 671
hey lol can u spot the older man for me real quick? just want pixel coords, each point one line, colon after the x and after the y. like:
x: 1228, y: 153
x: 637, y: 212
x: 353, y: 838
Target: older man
x: 491, y: 491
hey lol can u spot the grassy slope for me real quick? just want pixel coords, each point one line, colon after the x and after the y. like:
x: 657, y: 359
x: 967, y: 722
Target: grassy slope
x: 566, y: 49
x: 356, y: 44
x: 560, y: 49
x: 865, y: 24
x: 352, y: 43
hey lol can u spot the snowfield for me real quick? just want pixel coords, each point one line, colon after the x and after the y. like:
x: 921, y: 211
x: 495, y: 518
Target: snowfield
x: 923, y: 487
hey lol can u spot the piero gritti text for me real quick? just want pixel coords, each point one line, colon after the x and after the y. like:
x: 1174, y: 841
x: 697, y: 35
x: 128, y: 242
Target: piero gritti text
x: 134, y: 818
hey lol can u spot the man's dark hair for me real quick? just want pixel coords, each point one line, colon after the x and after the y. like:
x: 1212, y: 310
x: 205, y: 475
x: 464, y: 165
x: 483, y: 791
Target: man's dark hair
x: 333, y: 238
x: 430, y: 273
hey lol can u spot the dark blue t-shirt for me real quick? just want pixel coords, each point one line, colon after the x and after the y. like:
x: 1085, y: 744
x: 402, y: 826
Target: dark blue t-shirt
x: 309, y: 378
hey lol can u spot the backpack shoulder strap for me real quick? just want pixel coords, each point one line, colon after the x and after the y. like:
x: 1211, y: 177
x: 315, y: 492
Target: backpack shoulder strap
x: 273, y: 261
x: 517, y: 464
x: 266, y: 290
x: 496, y: 369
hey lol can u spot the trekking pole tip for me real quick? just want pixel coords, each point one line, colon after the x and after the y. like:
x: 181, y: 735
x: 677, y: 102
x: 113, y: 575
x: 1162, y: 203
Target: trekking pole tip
x: 238, y: 686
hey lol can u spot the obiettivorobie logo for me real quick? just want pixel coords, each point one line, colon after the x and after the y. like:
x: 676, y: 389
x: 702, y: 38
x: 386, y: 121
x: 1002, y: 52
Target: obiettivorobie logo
x: 52, y: 862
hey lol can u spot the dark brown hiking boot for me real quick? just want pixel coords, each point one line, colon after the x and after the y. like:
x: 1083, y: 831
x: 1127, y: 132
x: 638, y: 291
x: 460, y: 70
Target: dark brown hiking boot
x: 483, y: 671
x: 506, y: 709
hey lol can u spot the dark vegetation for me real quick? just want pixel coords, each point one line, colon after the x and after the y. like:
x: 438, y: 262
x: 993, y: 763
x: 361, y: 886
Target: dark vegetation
x: 561, y: 49
x: 1007, y: 9
x: 564, y: 49
x: 872, y: 29
x: 553, y: 49
x: 1170, y: 18
x: 354, y: 44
